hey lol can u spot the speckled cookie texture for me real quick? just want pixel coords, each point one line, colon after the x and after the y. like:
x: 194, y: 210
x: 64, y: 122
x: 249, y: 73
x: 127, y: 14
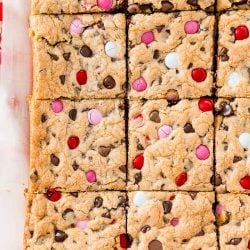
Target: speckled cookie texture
x: 75, y: 221
x: 170, y: 147
x: 77, y: 145
x: 233, y: 219
x: 232, y: 4
x: 232, y: 145
x: 170, y: 53
x: 171, y: 221
x: 233, y: 73
x: 78, y: 56
x: 73, y: 6
x: 135, y: 6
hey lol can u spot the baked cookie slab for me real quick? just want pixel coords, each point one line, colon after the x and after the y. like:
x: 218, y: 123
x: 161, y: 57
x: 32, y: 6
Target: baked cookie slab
x: 233, y: 220
x: 77, y: 145
x: 233, y: 74
x: 171, y: 53
x: 75, y: 221
x: 73, y: 6
x: 178, y: 220
x: 232, y: 4
x: 78, y: 56
x: 232, y: 145
x: 170, y: 146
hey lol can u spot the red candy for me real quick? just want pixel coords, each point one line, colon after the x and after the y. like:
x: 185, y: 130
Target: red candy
x: 245, y: 182
x: 125, y: 241
x: 181, y: 179
x: 138, y: 161
x: 199, y: 74
x: 248, y: 245
x: 81, y: 77
x: 53, y: 195
x: 73, y: 142
x: 206, y: 104
x: 241, y: 32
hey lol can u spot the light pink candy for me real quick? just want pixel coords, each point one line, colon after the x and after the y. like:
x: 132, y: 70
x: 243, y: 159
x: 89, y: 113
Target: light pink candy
x: 138, y: 120
x: 76, y: 26
x: 91, y: 176
x: 139, y: 84
x: 82, y: 224
x: 202, y: 152
x: 174, y: 222
x: 219, y: 209
x: 192, y: 27
x: 164, y: 131
x: 57, y: 106
x: 105, y: 4
x: 94, y: 116
x: 147, y: 37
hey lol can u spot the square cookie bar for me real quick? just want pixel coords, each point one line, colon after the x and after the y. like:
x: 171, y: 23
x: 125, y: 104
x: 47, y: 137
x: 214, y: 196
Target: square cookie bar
x: 171, y: 53
x: 77, y: 145
x: 75, y: 221
x: 233, y: 220
x: 232, y: 145
x: 135, y: 6
x: 164, y: 221
x: 73, y: 6
x: 233, y: 73
x: 232, y: 4
x: 78, y: 56
x: 170, y: 147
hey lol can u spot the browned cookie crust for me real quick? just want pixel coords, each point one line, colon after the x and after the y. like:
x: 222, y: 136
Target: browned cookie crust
x: 233, y: 4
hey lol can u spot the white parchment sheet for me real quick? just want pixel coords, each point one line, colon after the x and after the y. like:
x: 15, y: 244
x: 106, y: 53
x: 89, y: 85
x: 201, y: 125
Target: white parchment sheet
x: 15, y: 85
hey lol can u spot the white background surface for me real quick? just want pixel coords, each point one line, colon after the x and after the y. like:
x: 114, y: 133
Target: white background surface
x: 15, y: 82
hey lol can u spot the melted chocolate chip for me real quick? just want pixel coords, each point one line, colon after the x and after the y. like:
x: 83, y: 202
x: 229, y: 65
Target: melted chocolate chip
x: 104, y: 151
x: 237, y: 159
x: 138, y: 177
x: 133, y: 8
x: 166, y: 6
x: 75, y: 194
x: 217, y: 180
x: 155, y: 245
x: 167, y: 206
x: 107, y: 215
x: 123, y: 169
x: 154, y: 116
x: 62, y: 79
x: 193, y: 3
x: 234, y: 241
x: 122, y: 201
x: 86, y: 51
x: 159, y: 28
x: 66, y: 56
x: 73, y: 114
x: 100, y: 25
x: 75, y: 166
x: 140, y: 147
x: 43, y: 118
x: 201, y: 233
x: 66, y: 213
x: 60, y: 236
x: 145, y: 228
x: 53, y: 57
x: 98, y: 201
x: 188, y: 128
x: 192, y: 195
x: 109, y: 82
x: 223, y: 55
x: 156, y: 54
x: 54, y: 160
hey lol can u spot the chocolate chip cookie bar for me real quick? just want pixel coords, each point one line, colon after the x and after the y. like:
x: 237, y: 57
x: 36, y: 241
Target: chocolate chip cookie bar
x: 170, y: 146
x: 162, y: 220
x: 148, y: 6
x: 78, y: 56
x: 75, y: 220
x: 73, y: 6
x: 232, y: 4
x: 232, y: 142
x: 233, y: 73
x: 170, y: 53
x: 233, y: 219
x: 77, y: 145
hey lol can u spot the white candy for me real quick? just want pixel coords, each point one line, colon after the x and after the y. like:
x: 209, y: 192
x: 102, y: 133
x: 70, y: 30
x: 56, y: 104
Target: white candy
x: 172, y: 60
x: 140, y: 198
x: 111, y: 49
x: 244, y: 140
x: 233, y: 79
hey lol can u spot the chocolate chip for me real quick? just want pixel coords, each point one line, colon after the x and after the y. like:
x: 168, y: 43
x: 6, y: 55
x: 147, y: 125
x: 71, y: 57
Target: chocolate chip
x: 67, y: 213
x: 156, y: 54
x: 188, y: 128
x: 60, y: 236
x: 236, y: 159
x: 146, y: 7
x: 159, y: 28
x: 107, y: 215
x: 122, y: 201
x: 140, y: 147
x: 104, y: 151
x: 193, y: 2
x: 66, y: 56
x: 154, y: 116
x: 226, y: 109
x: 167, y: 206
x: 166, y: 6
x: 62, y: 79
x: 100, y: 25
x: 145, y: 228
x: 138, y: 177
x: 223, y: 55
x: 155, y: 245
x: 192, y: 195
x: 53, y: 57
x: 54, y: 160
x: 43, y: 118
x: 234, y: 241
x: 109, y: 82
x: 190, y: 65
x: 75, y: 166
x: 201, y: 233
x: 98, y: 201
x: 133, y: 8
x: 218, y: 180
x: 86, y: 51
x: 74, y: 194
x: 73, y: 114
x: 123, y: 169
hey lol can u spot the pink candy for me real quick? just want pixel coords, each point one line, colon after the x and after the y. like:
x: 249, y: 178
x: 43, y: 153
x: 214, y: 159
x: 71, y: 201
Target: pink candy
x: 94, y: 116
x: 147, y: 37
x: 76, y: 26
x: 82, y: 224
x: 138, y: 120
x: 164, y: 131
x: 91, y: 176
x: 105, y: 4
x: 219, y: 209
x: 57, y: 106
x: 202, y: 152
x: 174, y: 222
x: 139, y: 84
x: 191, y: 27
